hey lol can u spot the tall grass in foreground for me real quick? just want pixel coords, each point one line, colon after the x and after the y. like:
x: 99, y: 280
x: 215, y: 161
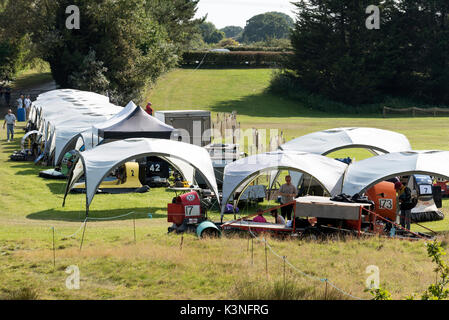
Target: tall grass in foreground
x: 25, y: 293
x: 262, y: 289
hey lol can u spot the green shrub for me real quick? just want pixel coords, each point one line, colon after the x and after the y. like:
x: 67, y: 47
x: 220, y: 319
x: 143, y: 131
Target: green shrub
x: 234, y: 59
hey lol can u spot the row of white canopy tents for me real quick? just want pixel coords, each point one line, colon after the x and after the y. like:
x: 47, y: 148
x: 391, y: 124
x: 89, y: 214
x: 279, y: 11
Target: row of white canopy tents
x: 59, y: 113
x: 305, y: 155
x: 111, y: 136
x: 334, y: 176
x: 70, y: 119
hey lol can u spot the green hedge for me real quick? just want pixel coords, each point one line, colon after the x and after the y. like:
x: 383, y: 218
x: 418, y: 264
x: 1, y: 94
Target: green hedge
x: 258, y: 48
x: 234, y: 59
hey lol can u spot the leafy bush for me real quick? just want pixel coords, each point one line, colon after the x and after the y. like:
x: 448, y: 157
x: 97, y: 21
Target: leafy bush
x: 228, y: 42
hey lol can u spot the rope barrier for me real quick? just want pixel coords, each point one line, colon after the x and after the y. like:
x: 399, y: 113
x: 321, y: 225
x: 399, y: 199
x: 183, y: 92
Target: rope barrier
x: 90, y: 218
x: 300, y: 271
x: 76, y: 232
x: 111, y: 218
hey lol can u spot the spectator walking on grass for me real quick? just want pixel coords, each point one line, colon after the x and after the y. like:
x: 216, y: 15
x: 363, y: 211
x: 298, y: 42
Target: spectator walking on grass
x: 10, y: 122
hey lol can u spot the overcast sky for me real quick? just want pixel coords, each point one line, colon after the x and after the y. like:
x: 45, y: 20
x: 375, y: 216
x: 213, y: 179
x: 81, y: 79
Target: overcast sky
x: 224, y: 13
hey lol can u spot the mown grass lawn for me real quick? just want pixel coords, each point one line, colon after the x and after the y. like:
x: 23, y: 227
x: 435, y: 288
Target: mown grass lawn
x: 113, y: 266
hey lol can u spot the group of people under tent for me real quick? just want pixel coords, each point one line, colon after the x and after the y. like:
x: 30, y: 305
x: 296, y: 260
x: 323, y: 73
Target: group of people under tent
x: 288, y: 192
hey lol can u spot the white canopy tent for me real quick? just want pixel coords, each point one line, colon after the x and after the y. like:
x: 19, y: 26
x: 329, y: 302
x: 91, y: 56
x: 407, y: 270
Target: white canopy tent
x: 328, y: 141
x: 62, y: 114
x: 58, y: 103
x: 362, y: 175
x: 237, y: 175
x: 88, y: 135
x: 377, y: 141
x: 97, y: 163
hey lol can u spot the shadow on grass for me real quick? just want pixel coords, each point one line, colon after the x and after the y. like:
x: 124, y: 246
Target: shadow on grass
x: 28, y: 172
x: 97, y: 215
x: 275, y: 106
x: 57, y: 188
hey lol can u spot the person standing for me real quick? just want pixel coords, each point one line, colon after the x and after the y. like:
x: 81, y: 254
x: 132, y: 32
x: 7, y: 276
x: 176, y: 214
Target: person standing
x: 10, y: 122
x: 148, y: 109
x: 406, y: 204
x: 288, y: 193
x: 7, y: 94
x: 27, y: 103
x: 19, y: 102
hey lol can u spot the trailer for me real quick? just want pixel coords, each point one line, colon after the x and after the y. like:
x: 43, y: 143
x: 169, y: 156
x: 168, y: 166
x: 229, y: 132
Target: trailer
x: 192, y: 122
x: 312, y: 216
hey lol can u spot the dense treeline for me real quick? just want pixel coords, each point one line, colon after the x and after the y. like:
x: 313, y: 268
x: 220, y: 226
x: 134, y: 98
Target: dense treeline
x: 338, y: 57
x: 122, y: 46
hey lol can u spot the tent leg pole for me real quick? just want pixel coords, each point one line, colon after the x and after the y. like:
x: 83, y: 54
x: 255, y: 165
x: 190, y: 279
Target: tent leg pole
x: 82, y: 238
x: 360, y: 221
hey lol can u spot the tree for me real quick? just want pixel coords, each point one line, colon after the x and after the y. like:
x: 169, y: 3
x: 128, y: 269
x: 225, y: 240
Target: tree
x: 232, y: 31
x: 91, y: 76
x: 134, y: 41
x: 268, y: 25
x: 176, y: 16
x: 336, y: 56
x: 210, y: 33
x: 15, y: 44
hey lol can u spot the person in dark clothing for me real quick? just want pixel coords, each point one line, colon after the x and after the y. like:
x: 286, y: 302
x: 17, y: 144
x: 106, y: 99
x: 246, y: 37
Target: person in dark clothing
x: 288, y: 192
x: 406, y: 204
x: 148, y: 109
x: 7, y: 95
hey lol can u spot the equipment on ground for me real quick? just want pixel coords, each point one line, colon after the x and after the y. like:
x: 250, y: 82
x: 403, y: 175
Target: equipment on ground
x: 444, y: 185
x: 52, y: 174
x: 125, y: 179
x: 31, y: 147
x: 425, y: 209
x: 221, y: 155
x: 187, y: 213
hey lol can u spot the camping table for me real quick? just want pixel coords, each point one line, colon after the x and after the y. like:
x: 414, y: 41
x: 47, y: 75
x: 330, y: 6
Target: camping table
x: 183, y: 190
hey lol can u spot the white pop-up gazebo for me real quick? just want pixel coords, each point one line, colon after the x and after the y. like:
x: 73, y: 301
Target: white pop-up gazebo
x: 97, y: 163
x: 327, y: 141
x: 364, y: 174
x: 239, y: 174
x: 377, y: 141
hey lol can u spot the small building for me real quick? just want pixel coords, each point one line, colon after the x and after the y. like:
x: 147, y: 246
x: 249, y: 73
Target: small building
x: 194, y: 125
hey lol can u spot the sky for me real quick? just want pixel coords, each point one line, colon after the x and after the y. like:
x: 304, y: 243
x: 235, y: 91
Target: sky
x: 224, y: 13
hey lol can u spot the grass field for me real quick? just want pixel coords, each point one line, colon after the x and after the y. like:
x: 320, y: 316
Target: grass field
x: 162, y: 266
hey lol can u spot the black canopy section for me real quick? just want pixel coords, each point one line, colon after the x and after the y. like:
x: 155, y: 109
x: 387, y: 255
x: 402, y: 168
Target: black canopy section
x: 138, y: 124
